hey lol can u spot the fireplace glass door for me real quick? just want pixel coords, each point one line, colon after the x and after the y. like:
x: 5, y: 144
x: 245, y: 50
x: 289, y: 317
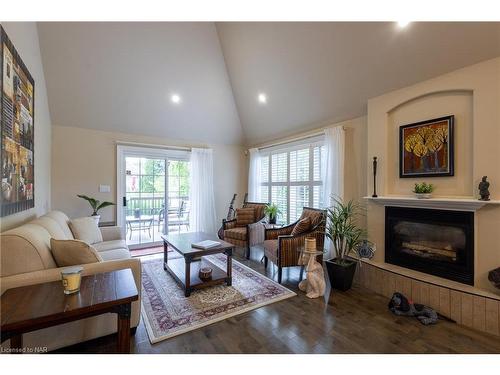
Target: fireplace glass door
x: 437, y: 242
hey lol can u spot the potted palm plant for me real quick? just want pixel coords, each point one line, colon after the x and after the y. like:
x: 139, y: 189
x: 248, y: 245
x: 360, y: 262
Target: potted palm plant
x: 96, y: 206
x: 272, y: 211
x: 346, y: 236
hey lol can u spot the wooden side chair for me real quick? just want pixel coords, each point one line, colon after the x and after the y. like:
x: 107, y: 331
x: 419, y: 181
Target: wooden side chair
x: 246, y: 230
x: 281, y: 245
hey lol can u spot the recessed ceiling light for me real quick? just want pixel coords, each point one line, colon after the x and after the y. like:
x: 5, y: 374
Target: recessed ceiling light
x: 262, y: 98
x: 176, y: 99
x: 403, y: 24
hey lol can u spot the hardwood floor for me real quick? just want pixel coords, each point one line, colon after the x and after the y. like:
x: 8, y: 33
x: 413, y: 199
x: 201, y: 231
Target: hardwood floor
x: 356, y: 321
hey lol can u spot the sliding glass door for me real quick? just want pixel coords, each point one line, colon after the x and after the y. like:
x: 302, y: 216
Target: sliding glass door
x: 155, y: 195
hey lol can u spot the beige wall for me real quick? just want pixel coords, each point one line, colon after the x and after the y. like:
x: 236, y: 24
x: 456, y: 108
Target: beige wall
x: 82, y: 159
x: 24, y: 36
x: 471, y: 94
x: 355, y: 155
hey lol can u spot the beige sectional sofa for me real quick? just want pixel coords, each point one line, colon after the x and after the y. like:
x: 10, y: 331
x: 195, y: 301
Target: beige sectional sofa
x: 26, y: 259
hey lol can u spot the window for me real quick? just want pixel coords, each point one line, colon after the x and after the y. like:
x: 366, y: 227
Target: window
x: 291, y: 178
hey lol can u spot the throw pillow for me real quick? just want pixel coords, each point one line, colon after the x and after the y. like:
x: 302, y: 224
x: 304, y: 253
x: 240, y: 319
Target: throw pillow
x: 86, y: 229
x: 73, y: 252
x: 301, y: 227
x: 245, y: 216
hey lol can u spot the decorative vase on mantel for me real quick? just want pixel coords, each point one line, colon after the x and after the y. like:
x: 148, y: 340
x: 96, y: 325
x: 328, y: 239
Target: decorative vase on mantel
x: 423, y: 190
x: 423, y: 195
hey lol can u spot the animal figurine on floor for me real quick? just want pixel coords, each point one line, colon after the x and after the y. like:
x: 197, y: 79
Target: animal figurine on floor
x: 314, y: 285
x: 400, y: 305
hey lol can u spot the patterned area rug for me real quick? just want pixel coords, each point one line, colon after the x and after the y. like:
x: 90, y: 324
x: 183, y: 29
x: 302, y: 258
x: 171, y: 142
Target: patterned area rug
x: 167, y: 313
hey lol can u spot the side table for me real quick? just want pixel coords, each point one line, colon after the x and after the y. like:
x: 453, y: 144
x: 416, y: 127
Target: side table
x: 109, y: 292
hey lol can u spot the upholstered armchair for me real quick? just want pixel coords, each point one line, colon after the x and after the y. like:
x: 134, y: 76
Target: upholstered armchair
x: 246, y: 230
x: 282, y: 245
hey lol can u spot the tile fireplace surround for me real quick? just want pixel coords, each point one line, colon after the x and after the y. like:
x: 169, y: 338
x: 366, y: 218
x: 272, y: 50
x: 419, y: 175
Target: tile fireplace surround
x: 465, y: 304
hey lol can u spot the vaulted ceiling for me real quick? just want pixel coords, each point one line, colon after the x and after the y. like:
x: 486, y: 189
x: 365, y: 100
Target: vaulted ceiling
x: 121, y: 76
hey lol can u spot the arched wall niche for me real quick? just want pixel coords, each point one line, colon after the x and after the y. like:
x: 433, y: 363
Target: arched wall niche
x: 425, y: 107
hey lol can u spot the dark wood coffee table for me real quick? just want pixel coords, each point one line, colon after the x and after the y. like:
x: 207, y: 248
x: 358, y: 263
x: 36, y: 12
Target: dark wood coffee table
x: 33, y: 307
x: 185, y: 270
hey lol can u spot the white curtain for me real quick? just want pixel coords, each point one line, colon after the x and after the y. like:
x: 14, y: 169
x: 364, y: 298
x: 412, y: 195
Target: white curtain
x: 333, y: 165
x: 202, y: 215
x: 333, y: 171
x: 254, y: 176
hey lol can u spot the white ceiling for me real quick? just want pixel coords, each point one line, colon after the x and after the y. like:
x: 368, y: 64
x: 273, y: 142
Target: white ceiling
x: 119, y: 76
x: 317, y: 73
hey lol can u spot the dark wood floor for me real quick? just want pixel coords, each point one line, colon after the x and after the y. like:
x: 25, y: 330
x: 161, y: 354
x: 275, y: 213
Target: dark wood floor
x: 356, y: 321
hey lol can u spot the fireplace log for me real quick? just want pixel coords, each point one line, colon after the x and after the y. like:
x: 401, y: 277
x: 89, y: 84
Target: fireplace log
x: 494, y: 277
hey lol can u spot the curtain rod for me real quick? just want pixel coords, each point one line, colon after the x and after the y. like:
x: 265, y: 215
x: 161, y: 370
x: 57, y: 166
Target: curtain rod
x: 150, y: 145
x: 300, y: 138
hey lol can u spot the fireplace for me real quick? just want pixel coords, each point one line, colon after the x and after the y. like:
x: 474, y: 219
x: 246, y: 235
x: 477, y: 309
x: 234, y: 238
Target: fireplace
x: 437, y: 242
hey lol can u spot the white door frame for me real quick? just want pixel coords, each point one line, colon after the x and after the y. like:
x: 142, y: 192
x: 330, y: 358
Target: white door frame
x: 122, y: 151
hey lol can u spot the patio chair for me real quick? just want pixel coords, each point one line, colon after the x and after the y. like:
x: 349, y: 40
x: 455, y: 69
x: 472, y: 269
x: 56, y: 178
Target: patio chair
x: 181, y: 217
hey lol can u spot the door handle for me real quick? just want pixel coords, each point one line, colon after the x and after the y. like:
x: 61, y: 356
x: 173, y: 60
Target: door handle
x: 124, y: 201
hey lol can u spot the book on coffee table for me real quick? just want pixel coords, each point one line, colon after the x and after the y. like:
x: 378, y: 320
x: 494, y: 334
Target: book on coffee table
x: 207, y: 244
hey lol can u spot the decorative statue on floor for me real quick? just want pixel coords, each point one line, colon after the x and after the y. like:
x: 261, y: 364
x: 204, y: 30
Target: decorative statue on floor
x: 484, y: 189
x: 400, y: 305
x: 314, y: 285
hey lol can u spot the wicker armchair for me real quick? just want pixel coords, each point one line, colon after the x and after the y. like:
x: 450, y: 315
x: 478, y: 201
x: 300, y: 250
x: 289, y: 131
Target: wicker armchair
x: 281, y: 248
x: 248, y: 235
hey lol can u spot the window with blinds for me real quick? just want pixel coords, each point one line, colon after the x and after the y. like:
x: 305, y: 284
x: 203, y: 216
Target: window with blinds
x: 291, y: 178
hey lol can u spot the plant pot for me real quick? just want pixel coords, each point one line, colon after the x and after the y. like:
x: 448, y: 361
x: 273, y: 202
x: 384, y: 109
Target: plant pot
x: 272, y: 219
x: 340, y: 275
x: 423, y: 195
x: 96, y: 218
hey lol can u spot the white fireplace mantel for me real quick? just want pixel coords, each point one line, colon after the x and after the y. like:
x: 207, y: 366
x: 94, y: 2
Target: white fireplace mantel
x: 456, y: 204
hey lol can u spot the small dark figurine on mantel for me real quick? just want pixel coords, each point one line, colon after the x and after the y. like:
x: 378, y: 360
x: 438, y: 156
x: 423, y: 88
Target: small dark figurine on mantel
x: 483, y: 189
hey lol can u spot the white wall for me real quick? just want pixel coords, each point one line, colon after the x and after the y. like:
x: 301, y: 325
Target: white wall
x: 84, y: 158
x: 24, y: 36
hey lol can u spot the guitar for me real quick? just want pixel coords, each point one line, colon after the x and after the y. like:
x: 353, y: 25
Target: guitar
x: 230, y: 216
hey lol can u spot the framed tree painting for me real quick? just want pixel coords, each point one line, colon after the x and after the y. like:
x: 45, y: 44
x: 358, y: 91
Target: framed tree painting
x: 426, y: 148
x: 17, y: 112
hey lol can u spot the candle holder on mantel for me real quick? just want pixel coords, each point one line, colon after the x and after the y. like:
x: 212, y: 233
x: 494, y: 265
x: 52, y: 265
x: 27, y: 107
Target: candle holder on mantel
x: 374, y: 195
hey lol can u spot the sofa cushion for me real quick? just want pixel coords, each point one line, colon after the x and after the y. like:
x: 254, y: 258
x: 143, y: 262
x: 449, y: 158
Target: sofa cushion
x: 63, y: 222
x: 316, y: 216
x: 25, y: 249
x: 245, y: 216
x: 302, y: 226
x: 110, y: 245
x: 86, y: 229
x: 73, y: 252
x: 52, y: 227
x: 236, y: 233
x: 115, y: 254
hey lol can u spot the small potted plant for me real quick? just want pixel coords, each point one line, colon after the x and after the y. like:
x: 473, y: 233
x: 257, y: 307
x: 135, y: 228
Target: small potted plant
x: 346, y: 236
x: 272, y: 211
x: 423, y: 190
x: 96, y: 206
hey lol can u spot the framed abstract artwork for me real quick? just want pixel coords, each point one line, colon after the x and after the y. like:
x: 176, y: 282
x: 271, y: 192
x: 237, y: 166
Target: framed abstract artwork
x: 17, y: 113
x: 426, y: 148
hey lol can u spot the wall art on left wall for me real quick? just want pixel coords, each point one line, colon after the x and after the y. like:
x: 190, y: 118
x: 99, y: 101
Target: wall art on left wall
x: 17, y: 113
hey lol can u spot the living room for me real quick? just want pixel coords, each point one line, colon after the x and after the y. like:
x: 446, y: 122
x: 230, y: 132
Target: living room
x: 215, y: 186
